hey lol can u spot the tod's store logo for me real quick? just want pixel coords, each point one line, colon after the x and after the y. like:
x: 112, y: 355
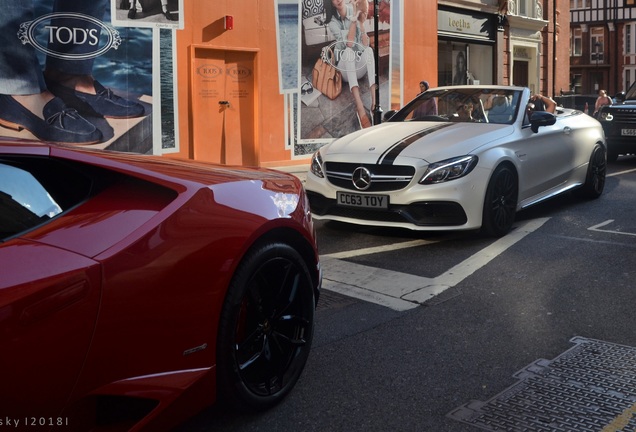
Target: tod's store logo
x: 236, y: 72
x: 69, y: 36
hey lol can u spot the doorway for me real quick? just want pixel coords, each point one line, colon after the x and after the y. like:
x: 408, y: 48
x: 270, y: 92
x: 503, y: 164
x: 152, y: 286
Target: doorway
x: 520, y: 73
x: 222, y: 102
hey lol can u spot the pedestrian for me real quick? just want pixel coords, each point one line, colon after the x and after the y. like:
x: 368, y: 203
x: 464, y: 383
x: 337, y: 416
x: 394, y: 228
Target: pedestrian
x: 428, y: 105
x: 602, y: 100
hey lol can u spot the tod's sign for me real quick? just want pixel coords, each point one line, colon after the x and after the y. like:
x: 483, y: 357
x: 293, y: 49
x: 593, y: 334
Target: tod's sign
x: 69, y: 36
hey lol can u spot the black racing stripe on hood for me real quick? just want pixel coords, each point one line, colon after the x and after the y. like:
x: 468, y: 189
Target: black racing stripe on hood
x: 389, y: 156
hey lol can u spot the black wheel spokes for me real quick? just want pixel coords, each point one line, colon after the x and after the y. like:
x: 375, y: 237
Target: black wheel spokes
x: 504, y: 200
x: 599, y: 169
x: 279, y: 324
x: 252, y: 349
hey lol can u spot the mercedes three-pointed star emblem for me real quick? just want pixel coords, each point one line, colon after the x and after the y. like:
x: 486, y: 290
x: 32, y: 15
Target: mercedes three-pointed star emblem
x: 361, y: 178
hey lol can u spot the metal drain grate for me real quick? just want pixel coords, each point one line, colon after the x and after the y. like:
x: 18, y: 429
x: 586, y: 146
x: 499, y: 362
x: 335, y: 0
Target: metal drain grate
x: 590, y: 387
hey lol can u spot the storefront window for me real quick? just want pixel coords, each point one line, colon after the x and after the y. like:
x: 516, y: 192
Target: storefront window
x: 462, y: 63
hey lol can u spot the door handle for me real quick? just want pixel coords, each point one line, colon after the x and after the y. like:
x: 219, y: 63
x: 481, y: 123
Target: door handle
x: 226, y: 103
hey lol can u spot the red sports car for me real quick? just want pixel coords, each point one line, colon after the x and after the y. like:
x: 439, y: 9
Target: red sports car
x: 136, y: 290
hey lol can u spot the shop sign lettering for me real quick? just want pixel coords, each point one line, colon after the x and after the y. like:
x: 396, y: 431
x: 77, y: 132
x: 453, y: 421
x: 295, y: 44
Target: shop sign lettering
x: 209, y: 71
x: 67, y: 30
x: 239, y: 72
x: 351, y: 56
x: 471, y: 24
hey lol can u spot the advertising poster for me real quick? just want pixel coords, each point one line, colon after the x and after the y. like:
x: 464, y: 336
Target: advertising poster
x: 82, y: 72
x: 335, y: 89
x: 460, y: 67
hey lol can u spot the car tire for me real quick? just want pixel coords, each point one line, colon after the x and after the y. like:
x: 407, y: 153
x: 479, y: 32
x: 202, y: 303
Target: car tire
x: 265, y: 329
x: 595, y: 178
x: 500, y: 202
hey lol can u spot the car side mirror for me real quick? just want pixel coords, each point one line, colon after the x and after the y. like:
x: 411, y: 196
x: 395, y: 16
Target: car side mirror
x: 620, y: 97
x: 388, y: 115
x: 541, y: 118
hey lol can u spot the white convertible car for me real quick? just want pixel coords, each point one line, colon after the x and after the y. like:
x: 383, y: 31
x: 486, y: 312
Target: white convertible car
x: 458, y: 158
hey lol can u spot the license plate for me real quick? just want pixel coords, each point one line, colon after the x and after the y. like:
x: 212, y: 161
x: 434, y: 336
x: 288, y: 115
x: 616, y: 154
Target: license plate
x: 363, y: 201
x: 628, y: 132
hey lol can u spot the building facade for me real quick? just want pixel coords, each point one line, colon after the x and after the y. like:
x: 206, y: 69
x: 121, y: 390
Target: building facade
x: 603, y: 53
x: 238, y: 82
x: 512, y: 42
x: 270, y: 112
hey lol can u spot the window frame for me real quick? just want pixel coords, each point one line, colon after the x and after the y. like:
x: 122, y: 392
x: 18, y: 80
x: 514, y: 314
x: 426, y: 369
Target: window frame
x: 576, y: 39
x: 597, y: 36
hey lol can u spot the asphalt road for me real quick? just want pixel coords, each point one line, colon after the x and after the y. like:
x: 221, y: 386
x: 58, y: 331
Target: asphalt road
x: 378, y: 366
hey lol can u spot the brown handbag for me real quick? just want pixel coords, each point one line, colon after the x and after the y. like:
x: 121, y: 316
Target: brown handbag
x: 325, y: 77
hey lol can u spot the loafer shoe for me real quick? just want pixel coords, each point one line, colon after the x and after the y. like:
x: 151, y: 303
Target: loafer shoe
x: 62, y: 124
x: 170, y: 16
x: 104, y: 103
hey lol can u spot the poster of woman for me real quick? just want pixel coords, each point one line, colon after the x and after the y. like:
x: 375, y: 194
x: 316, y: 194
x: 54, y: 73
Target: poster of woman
x: 342, y: 31
x: 460, y: 71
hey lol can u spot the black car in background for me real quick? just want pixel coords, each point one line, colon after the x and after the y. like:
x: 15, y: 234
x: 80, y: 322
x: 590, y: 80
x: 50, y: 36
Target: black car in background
x: 619, y: 124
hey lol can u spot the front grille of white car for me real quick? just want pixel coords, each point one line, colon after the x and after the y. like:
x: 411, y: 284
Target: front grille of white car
x: 383, y: 177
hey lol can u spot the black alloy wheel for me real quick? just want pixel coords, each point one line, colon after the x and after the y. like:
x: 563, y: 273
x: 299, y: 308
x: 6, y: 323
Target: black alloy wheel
x: 266, y: 328
x: 596, y: 173
x: 500, y: 203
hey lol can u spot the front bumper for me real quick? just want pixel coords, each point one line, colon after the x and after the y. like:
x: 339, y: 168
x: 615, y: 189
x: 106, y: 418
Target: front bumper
x: 420, y: 214
x: 453, y: 205
x: 619, y: 133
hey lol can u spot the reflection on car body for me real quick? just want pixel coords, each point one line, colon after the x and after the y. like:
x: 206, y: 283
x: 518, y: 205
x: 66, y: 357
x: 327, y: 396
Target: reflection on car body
x: 136, y: 290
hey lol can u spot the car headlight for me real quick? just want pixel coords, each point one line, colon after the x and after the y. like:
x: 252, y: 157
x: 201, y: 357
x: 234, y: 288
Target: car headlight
x: 449, y: 169
x: 606, y: 116
x: 316, y: 165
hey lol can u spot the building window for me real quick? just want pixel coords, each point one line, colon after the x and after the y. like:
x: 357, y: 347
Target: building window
x: 628, y: 78
x: 628, y: 39
x: 597, y: 49
x: 577, y: 83
x: 581, y: 4
x: 577, y: 42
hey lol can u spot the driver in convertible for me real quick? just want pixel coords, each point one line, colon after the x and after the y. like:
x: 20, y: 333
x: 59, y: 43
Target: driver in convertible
x: 464, y: 112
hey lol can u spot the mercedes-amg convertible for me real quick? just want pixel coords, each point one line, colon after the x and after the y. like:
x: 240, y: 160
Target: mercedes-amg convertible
x: 458, y: 158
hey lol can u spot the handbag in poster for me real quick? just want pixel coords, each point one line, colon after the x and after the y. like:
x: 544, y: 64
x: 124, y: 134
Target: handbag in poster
x: 325, y: 77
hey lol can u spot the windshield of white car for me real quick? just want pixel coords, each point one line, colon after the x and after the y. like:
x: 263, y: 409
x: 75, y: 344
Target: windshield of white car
x: 631, y: 93
x: 475, y: 104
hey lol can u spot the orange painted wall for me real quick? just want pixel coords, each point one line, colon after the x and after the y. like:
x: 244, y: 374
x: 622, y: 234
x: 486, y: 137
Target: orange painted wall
x: 255, y: 29
x: 420, y: 45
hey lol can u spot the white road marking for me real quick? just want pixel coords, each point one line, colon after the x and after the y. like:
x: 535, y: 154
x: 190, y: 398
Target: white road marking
x: 378, y: 249
x: 607, y: 222
x: 403, y: 291
x: 621, y: 172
